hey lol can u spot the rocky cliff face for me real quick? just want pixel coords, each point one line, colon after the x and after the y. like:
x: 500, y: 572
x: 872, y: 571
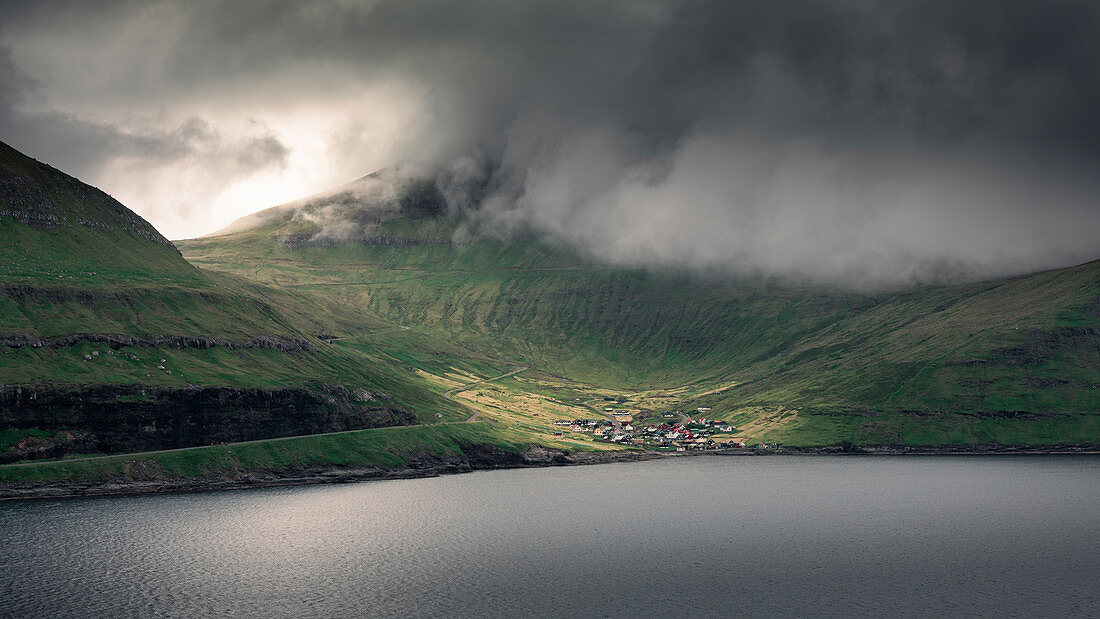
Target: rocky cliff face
x: 124, y: 418
x: 117, y: 341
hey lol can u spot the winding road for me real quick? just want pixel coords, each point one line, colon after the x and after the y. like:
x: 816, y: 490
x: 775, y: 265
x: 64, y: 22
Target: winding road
x: 450, y: 394
x: 614, y: 420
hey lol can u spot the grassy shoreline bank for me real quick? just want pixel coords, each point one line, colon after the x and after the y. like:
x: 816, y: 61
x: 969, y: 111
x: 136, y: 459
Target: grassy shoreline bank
x: 378, y: 454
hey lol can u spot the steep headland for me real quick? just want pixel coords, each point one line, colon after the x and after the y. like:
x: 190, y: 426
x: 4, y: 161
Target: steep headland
x: 110, y: 341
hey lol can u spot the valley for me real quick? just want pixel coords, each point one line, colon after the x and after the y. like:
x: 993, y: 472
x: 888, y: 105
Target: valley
x: 1007, y: 361
x: 272, y: 350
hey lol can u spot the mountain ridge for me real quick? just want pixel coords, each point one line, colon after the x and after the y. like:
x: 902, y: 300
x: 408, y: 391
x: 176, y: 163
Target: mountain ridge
x: 40, y: 195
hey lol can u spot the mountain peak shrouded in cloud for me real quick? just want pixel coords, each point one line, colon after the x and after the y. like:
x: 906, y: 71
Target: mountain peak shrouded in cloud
x: 354, y: 211
x: 865, y: 143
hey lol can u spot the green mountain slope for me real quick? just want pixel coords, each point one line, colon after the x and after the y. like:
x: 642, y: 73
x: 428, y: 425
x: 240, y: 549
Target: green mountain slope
x: 1014, y: 360
x: 111, y: 341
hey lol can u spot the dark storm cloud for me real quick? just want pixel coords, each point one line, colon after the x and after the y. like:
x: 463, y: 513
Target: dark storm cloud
x: 859, y: 141
x: 1024, y: 71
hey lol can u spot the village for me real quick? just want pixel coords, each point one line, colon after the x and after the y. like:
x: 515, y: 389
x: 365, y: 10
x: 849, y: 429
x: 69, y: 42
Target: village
x: 676, y: 431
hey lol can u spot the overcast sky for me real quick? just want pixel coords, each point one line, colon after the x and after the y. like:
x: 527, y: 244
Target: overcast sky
x: 861, y: 141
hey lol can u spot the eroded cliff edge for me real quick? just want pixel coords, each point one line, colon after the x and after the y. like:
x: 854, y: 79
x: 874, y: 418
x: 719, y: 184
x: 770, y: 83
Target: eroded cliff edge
x: 108, y: 419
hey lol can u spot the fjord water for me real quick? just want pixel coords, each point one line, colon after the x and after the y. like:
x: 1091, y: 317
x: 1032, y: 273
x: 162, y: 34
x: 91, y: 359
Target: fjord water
x: 699, y: 536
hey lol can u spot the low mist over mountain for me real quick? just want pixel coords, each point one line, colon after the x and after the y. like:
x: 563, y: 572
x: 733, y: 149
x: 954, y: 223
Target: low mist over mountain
x: 353, y: 211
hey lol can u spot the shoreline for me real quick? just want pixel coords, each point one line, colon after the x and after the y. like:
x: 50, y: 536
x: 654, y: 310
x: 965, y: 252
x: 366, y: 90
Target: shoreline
x: 418, y: 466
x: 478, y: 458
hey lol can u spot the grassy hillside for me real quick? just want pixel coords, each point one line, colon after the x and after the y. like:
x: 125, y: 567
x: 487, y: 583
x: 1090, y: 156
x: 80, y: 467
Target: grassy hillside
x: 382, y: 447
x: 91, y: 295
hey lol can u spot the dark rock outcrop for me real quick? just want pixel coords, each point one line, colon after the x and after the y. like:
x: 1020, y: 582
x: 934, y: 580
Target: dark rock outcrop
x: 1040, y: 345
x: 421, y: 198
x: 170, y: 341
x: 124, y: 418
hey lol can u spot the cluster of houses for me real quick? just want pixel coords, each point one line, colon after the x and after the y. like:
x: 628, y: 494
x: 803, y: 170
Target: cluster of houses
x: 605, y: 430
x: 690, y: 434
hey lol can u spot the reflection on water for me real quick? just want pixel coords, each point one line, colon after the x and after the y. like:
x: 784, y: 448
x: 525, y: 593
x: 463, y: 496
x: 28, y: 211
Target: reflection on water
x: 705, y: 535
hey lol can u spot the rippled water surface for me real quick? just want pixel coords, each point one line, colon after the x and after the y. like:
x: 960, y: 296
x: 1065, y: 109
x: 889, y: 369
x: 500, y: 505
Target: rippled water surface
x: 705, y: 536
